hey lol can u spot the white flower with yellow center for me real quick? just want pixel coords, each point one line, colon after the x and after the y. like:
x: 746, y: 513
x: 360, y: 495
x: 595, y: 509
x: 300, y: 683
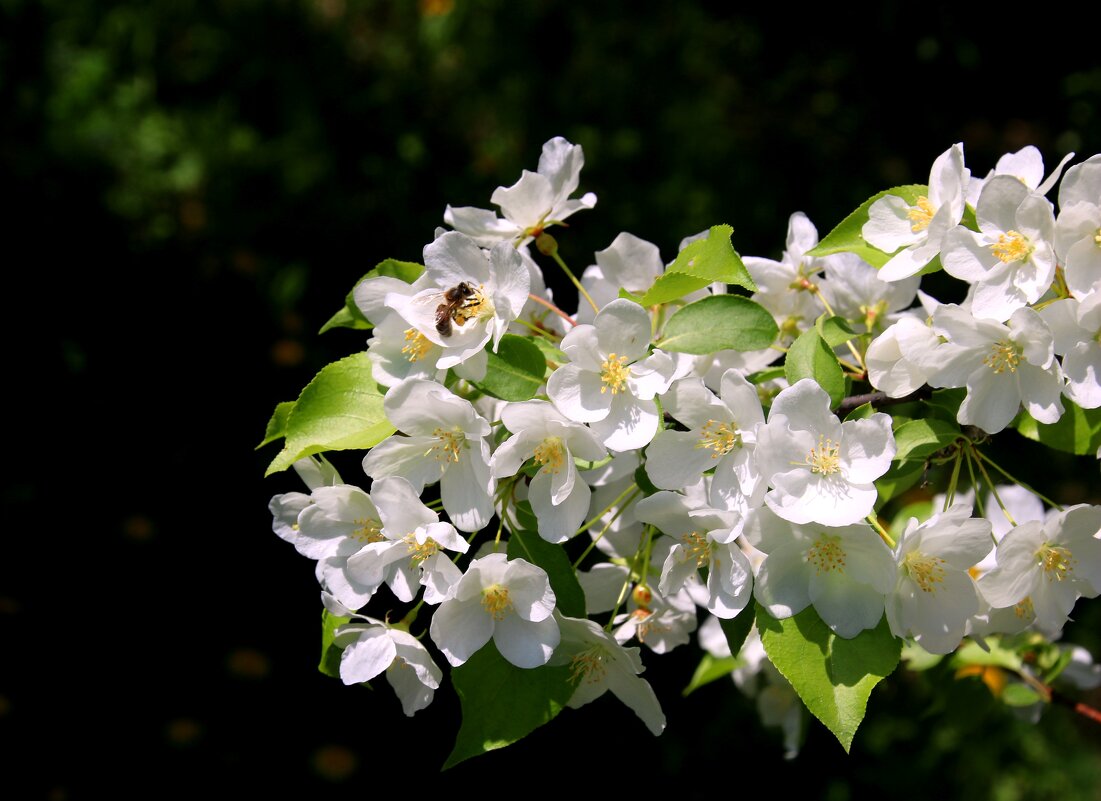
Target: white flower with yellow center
x: 535, y: 202
x: 1049, y: 564
x: 721, y: 437
x: 820, y: 469
x: 933, y: 594
x: 1078, y: 228
x: 444, y: 440
x: 1002, y: 366
x: 845, y: 572
x: 918, y: 231
x: 704, y: 538
x: 598, y: 664
x: 557, y: 493
x: 1010, y: 261
x: 410, y: 550
x: 510, y: 602
x: 470, y: 299
x: 610, y: 382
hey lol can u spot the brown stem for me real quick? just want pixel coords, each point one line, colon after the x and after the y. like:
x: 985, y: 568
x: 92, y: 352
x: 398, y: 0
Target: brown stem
x: 880, y: 399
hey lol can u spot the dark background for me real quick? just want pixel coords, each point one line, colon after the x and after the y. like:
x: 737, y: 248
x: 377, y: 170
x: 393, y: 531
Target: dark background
x: 193, y: 186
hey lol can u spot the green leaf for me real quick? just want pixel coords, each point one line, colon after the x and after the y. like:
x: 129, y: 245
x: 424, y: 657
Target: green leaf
x: 708, y: 670
x: 861, y: 412
x: 832, y: 675
x: 945, y: 403
x: 737, y: 629
x: 548, y: 349
x: 922, y: 510
x: 971, y: 653
x: 669, y: 287
x: 835, y: 330
x: 346, y: 318
x: 515, y: 372
x: 340, y: 409
x: 810, y: 357
x: 900, y: 476
x: 1078, y: 431
x: 918, y: 659
x: 330, y: 652
x: 350, y: 315
x: 502, y: 703
x: 919, y: 439
x: 719, y: 322
x: 569, y: 597
x: 703, y: 262
x: 847, y: 237
x: 1020, y: 695
x: 277, y: 425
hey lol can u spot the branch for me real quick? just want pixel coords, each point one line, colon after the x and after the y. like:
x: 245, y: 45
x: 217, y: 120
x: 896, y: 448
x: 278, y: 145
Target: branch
x: 881, y: 399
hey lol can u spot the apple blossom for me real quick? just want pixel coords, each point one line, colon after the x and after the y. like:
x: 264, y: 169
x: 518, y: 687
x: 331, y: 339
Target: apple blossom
x: 509, y: 602
x: 820, y: 469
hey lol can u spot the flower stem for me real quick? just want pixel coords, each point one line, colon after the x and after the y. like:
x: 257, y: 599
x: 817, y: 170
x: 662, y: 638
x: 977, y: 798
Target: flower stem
x: 573, y: 278
x: 873, y: 521
x: 607, y: 525
x: 984, y: 458
x: 553, y: 308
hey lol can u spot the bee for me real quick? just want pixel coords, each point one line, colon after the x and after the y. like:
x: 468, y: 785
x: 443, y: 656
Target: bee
x: 456, y: 301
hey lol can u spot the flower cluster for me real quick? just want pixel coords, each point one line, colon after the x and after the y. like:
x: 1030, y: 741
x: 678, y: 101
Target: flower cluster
x: 668, y: 467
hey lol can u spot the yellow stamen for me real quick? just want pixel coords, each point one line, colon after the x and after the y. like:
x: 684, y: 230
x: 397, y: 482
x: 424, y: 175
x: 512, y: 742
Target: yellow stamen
x: 696, y: 547
x: 1011, y: 246
x: 368, y: 530
x: 921, y: 214
x: 614, y: 372
x: 590, y: 666
x: 1056, y: 561
x: 827, y: 555
x: 825, y: 459
x: 1097, y: 237
x: 926, y: 571
x: 722, y: 438
x: 1003, y: 356
x: 416, y: 345
x: 418, y: 552
x: 448, y: 444
x: 496, y: 601
x: 551, y: 454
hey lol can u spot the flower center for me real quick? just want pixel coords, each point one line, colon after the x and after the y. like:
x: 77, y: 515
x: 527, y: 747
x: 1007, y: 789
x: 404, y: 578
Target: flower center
x: 591, y: 665
x: 696, y: 547
x: 1003, y: 356
x: 827, y: 555
x: 416, y: 345
x: 825, y: 458
x: 614, y: 372
x: 926, y: 571
x: 448, y: 444
x: 475, y: 307
x: 368, y: 530
x: 496, y: 601
x: 1097, y: 237
x: 551, y: 453
x: 719, y: 437
x: 1056, y: 561
x: 921, y: 214
x: 1011, y: 246
x: 418, y: 552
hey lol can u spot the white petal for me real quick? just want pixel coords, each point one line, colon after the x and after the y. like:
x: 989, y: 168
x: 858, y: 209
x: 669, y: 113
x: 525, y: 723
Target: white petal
x: 524, y: 643
x: 370, y: 654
